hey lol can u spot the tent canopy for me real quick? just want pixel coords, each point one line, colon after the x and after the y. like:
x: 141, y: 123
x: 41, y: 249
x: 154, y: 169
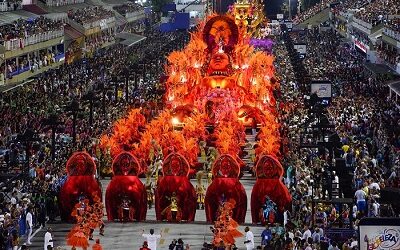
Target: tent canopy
x: 129, y: 39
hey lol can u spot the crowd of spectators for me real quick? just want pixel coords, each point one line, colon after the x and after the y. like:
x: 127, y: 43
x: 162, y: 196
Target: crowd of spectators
x: 350, y: 5
x: 97, y: 41
x: 392, y: 28
x: 388, y: 53
x: 325, y: 59
x: 128, y: 8
x: 90, y: 14
x: 378, y: 11
x: 25, y: 108
x: 22, y: 28
x: 33, y: 63
x: 393, y: 24
x: 365, y: 121
x: 312, y: 11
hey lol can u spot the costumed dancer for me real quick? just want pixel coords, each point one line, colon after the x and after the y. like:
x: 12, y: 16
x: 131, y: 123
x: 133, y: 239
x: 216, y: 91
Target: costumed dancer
x: 149, y: 190
x: 173, y: 212
x: 95, y: 217
x: 126, y: 207
x: 203, y: 154
x: 212, y: 156
x: 225, y: 228
x: 200, y: 190
x: 157, y: 167
x: 268, y: 211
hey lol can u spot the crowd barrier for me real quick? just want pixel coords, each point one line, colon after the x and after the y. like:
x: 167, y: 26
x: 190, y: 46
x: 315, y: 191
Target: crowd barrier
x: 51, y: 3
x: 19, y: 43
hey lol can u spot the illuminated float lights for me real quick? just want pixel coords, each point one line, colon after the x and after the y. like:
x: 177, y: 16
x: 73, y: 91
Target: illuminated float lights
x: 218, y: 74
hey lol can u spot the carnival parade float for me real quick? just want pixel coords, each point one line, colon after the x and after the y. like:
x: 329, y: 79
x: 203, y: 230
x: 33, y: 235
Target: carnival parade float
x: 219, y: 88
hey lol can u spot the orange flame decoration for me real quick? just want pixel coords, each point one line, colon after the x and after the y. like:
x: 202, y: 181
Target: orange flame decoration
x: 248, y: 81
x: 160, y: 130
x: 230, y: 135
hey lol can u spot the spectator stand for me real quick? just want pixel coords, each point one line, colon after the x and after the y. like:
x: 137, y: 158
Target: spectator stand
x: 31, y: 46
x: 97, y: 24
x: 10, y: 5
x: 56, y: 3
x: 343, y: 13
x: 74, y: 44
x: 394, y: 92
x: 130, y: 11
x: 389, y: 45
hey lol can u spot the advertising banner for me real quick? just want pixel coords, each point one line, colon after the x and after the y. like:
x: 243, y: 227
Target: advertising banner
x: 322, y: 89
x: 379, y: 234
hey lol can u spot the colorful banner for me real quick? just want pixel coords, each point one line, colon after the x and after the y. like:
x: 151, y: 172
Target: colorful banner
x: 379, y: 237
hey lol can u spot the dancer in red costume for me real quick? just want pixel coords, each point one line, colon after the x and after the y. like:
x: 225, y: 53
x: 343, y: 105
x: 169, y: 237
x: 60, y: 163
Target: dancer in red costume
x: 225, y: 228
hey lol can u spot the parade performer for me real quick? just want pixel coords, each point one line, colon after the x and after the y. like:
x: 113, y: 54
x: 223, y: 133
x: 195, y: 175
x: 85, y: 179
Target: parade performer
x: 149, y: 190
x: 225, y: 227
x: 172, y: 212
x: 268, y: 211
x: 200, y: 190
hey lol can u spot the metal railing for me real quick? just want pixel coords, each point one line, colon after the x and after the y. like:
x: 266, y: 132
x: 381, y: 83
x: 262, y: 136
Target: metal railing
x: 134, y: 14
x: 100, y: 23
x: 19, y: 43
x: 362, y: 23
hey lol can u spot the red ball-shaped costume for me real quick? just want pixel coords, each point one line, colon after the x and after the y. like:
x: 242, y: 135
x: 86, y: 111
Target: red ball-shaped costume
x: 226, y: 186
x: 269, y: 174
x: 126, y: 197
x: 174, y: 191
x: 80, y: 183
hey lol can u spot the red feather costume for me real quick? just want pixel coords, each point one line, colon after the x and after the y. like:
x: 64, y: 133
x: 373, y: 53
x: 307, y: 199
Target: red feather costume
x: 80, y: 183
x: 126, y: 193
x: 175, y: 196
x: 226, y: 186
x: 269, y: 174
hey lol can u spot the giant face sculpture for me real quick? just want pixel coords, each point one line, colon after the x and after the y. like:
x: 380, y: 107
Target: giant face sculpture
x: 269, y: 168
x: 219, y: 62
x: 220, y: 31
x: 175, y: 165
